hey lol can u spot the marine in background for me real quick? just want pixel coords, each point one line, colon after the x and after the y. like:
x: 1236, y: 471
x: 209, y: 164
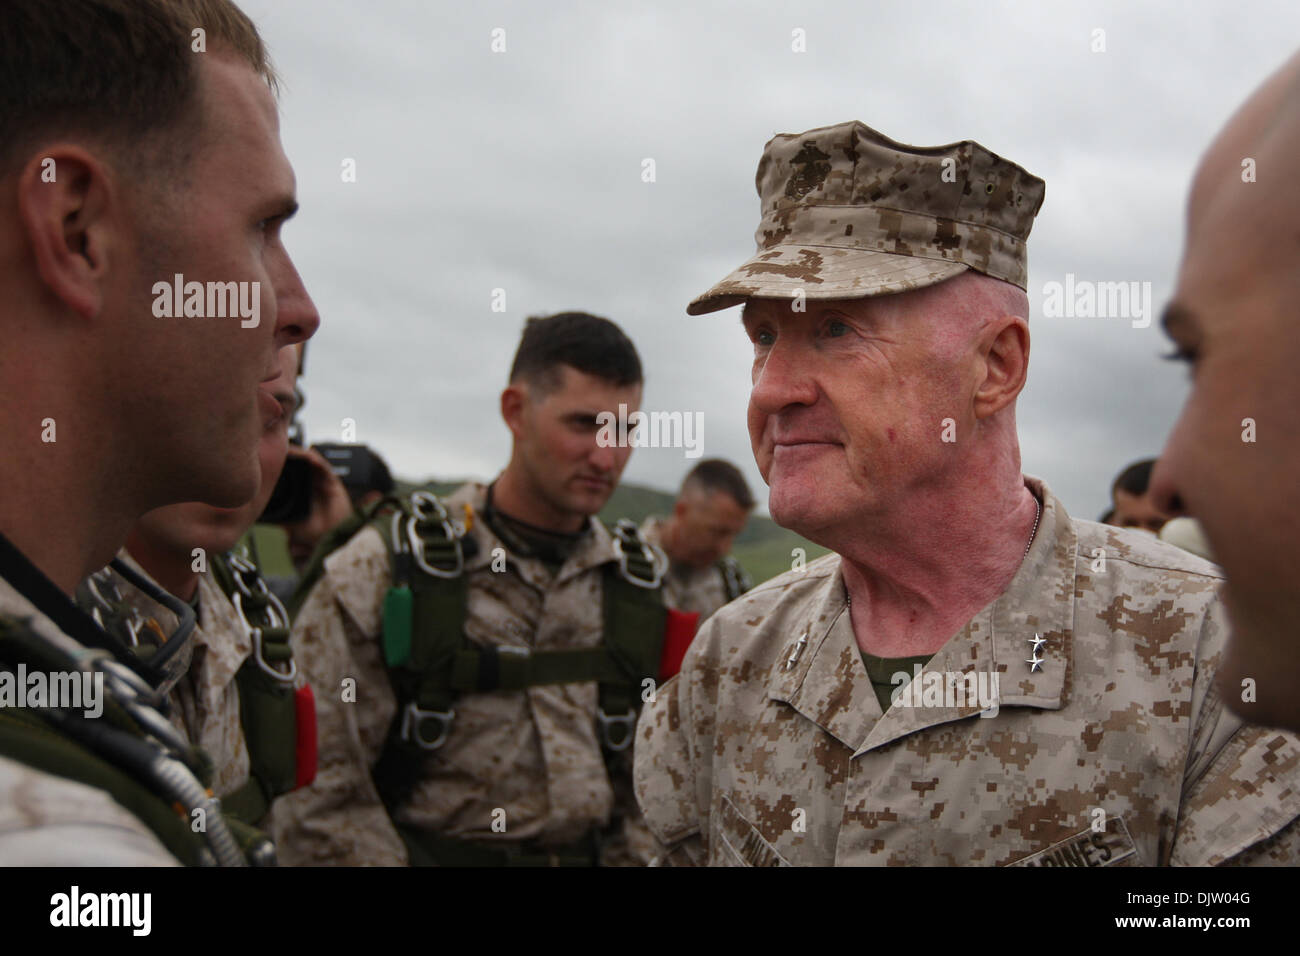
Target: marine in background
x: 498, y: 644
x: 712, y: 507
x: 1132, y: 504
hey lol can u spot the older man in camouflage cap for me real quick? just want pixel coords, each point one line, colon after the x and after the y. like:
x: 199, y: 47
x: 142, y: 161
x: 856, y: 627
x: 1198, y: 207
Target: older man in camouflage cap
x: 974, y: 677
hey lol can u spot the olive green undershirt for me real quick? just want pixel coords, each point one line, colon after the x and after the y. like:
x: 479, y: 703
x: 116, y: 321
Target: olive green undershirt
x: 552, y: 548
x: 882, y: 669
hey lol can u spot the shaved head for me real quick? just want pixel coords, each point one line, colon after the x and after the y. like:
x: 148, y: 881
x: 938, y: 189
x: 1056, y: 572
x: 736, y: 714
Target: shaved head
x: 1233, y: 458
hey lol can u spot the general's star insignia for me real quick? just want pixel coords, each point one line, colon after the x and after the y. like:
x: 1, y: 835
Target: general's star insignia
x: 798, y: 649
x: 1035, y: 663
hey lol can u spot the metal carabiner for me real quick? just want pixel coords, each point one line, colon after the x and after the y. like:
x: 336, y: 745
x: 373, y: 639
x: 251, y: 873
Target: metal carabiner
x: 439, y: 515
x: 657, y: 560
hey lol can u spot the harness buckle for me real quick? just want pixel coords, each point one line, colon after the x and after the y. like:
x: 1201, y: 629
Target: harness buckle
x: 413, y: 719
x: 626, y: 721
x: 284, y: 677
x: 428, y: 509
x: 625, y: 534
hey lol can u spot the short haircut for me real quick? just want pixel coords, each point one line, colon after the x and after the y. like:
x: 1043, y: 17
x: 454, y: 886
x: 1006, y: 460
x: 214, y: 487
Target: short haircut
x: 120, y: 71
x: 585, y: 342
x: 715, y: 474
x: 1106, y: 516
x: 1135, y: 478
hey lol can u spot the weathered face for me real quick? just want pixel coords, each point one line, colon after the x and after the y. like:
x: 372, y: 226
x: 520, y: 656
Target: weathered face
x: 850, y: 400
x: 708, y: 525
x: 219, y: 224
x: 568, y: 471
x: 1233, y: 458
x: 178, y: 529
x: 1138, y: 512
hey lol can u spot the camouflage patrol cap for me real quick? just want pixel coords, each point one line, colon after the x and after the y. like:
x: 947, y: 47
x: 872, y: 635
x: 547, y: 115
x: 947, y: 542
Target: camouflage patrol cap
x: 849, y: 213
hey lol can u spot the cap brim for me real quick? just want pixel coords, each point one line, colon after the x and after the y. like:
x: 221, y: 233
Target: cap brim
x: 823, y: 272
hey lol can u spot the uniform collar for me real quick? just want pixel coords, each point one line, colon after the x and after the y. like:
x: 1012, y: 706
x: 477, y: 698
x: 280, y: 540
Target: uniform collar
x: 222, y: 631
x: 177, y: 662
x: 828, y: 684
x: 467, y: 503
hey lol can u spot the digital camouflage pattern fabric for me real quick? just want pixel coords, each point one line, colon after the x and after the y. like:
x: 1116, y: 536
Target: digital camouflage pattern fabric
x: 770, y: 747
x: 47, y: 820
x: 848, y: 212
x: 698, y: 590
x: 204, y: 698
x: 529, y: 761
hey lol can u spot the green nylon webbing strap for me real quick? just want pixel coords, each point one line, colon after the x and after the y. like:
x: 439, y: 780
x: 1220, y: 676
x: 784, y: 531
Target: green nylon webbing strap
x: 498, y: 667
x: 247, y: 804
x: 269, y: 716
x: 734, y: 579
x: 30, y: 740
x: 431, y: 661
x: 424, y: 634
x: 267, y: 710
x: 635, y: 618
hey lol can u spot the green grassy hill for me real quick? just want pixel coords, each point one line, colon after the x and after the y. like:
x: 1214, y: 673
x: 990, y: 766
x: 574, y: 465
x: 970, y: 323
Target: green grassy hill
x: 764, y: 548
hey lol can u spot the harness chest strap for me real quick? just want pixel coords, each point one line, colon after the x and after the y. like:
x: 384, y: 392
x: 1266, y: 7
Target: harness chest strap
x: 431, y: 660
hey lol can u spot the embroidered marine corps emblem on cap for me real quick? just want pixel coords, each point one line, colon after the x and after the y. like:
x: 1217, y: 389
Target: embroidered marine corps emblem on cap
x: 849, y: 213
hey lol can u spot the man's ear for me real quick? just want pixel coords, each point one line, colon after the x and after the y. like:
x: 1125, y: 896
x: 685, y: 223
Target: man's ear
x: 1003, y: 348
x: 513, y: 400
x: 66, y: 208
x: 679, y: 508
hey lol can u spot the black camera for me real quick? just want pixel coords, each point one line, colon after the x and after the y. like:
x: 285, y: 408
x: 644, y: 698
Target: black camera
x: 291, y: 499
x: 359, y: 468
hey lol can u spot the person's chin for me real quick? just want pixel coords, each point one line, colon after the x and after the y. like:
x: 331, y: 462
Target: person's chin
x: 794, y: 502
x: 237, y: 486
x: 589, y: 497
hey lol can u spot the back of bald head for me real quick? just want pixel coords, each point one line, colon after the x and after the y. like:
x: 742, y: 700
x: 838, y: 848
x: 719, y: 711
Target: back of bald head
x: 1266, y: 131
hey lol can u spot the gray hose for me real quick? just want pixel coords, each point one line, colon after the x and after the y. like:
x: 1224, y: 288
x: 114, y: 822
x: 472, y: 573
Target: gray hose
x: 182, y: 784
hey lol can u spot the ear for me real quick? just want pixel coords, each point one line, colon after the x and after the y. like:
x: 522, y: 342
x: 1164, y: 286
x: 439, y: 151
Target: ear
x: 679, y: 508
x: 1003, y: 347
x: 66, y: 208
x: 513, y: 400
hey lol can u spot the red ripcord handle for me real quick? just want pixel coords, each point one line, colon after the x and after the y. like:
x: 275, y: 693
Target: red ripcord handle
x: 679, y: 631
x: 304, y: 703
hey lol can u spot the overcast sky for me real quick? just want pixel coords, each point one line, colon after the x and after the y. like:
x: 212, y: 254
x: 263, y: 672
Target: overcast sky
x: 522, y: 170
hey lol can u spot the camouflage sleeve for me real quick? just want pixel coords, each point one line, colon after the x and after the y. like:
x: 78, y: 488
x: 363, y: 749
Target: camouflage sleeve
x: 339, y: 819
x: 1241, y: 792
x: 673, y: 758
x: 1280, y: 850
x: 49, y: 821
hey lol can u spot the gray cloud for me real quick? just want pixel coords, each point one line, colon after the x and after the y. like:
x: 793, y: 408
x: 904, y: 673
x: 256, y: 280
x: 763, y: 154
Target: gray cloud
x: 521, y: 171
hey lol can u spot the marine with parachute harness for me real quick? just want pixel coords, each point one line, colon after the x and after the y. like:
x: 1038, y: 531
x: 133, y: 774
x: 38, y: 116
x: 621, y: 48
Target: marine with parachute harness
x: 499, y: 644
